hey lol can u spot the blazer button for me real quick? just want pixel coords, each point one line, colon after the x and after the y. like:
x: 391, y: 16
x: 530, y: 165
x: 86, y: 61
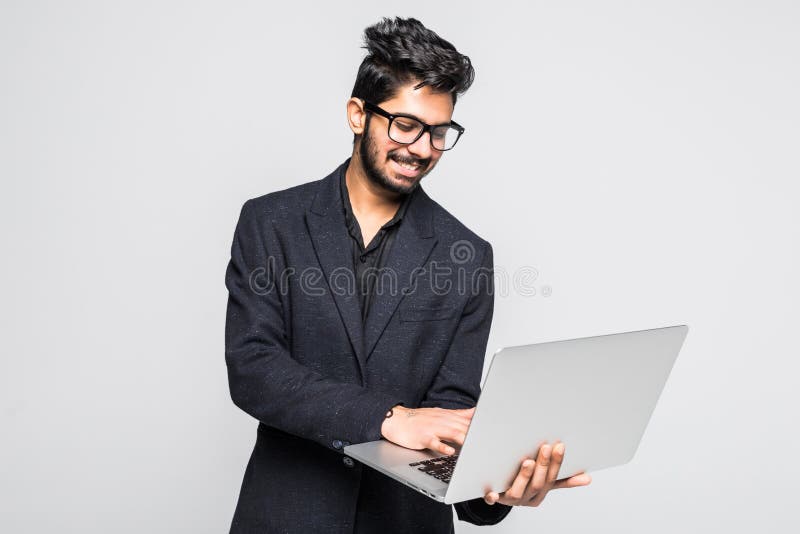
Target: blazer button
x: 348, y: 461
x: 337, y: 444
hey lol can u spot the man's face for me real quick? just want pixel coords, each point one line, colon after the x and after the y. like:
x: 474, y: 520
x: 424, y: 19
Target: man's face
x: 394, y: 166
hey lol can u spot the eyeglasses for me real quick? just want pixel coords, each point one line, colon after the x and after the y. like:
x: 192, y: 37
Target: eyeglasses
x: 405, y: 129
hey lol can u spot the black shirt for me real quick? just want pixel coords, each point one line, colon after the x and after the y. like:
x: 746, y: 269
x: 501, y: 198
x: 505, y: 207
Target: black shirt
x: 368, y: 260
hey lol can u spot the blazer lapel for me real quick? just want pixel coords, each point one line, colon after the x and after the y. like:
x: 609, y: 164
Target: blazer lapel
x: 326, y: 226
x: 411, y: 247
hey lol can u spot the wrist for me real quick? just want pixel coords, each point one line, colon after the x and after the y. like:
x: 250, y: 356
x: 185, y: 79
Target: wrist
x: 390, y: 419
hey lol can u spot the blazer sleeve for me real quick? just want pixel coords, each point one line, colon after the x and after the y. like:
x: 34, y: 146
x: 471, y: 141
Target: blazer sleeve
x: 264, y: 380
x: 457, y: 384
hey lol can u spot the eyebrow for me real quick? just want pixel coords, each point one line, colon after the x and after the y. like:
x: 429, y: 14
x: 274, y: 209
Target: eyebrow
x: 412, y: 116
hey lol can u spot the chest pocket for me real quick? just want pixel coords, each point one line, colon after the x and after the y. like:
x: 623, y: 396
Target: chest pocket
x: 428, y: 314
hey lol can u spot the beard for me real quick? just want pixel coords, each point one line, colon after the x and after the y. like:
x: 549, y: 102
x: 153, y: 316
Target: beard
x: 369, y: 153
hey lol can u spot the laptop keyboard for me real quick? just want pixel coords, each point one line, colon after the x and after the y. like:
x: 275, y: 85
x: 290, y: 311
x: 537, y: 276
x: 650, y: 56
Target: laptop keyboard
x: 441, y: 467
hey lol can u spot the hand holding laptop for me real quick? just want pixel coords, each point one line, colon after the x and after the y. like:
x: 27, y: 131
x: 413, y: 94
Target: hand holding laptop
x: 431, y: 427
x: 536, y: 477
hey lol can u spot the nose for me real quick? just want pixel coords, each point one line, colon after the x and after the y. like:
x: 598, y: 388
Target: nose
x: 421, y: 148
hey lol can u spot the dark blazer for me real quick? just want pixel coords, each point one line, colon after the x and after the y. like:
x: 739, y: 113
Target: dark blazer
x: 300, y: 362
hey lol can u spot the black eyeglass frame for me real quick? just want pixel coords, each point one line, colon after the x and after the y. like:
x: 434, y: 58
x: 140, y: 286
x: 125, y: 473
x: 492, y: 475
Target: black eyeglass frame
x: 425, y: 127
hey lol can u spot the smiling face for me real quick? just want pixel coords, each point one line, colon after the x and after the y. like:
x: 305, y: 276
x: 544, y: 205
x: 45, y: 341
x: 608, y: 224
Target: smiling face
x: 394, y: 166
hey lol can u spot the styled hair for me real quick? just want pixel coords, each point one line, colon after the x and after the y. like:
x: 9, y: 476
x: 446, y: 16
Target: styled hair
x: 402, y: 51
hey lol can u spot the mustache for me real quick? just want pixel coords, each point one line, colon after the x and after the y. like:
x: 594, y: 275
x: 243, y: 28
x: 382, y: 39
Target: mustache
x: 410, y: 160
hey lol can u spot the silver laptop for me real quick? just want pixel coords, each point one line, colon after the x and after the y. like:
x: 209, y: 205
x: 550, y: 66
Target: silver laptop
x: 595, y: 394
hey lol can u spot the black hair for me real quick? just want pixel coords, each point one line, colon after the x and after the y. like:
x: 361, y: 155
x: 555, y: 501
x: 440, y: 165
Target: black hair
x: 401, y: 51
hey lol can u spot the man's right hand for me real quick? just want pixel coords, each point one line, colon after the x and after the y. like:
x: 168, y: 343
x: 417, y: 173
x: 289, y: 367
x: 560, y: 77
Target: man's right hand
x: 419, y: 428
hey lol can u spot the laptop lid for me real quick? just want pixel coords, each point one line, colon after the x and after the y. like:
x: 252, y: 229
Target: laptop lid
x: 595, y: 394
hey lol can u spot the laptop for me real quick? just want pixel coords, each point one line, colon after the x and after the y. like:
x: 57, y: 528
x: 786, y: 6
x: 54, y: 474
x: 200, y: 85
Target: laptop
x: 595, y: 394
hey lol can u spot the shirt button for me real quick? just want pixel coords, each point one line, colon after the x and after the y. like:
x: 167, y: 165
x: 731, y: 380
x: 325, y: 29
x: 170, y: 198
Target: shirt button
x: 363, y: 259
x: 348, y: 461
x: 337, y: 444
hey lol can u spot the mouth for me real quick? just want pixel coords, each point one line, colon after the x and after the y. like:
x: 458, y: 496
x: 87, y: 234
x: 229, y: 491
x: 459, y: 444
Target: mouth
x: 408, y: 168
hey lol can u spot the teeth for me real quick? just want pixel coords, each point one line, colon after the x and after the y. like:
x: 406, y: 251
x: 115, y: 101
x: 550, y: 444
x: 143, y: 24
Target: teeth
x: 408, y: 166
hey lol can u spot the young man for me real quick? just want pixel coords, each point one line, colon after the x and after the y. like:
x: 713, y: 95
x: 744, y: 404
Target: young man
x: 359, y: 308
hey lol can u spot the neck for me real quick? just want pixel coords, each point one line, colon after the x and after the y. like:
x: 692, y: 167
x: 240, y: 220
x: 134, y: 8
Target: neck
x: 367, y: 197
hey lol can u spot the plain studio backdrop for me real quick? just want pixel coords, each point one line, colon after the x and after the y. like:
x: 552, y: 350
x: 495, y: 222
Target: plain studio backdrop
x: 634, y: 165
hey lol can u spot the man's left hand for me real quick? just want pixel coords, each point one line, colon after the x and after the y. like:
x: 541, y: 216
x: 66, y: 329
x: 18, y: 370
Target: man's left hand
x: 536, y: 478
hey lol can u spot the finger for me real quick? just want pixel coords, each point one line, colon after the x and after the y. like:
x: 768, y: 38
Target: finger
x: 449, y: 417
x: 556, y: 456
x: 465, y: 413
x: 491, y: 497
x: 451, y: 428
x: 517, y: 489
x: 454, y: 432
x: 457, y: 419
x: 537, y: 499
x: 458, y: 427
x: 556, y: 459
x: 437, y: 446
x: 452, y: 436
x: 539, y: 478
x: 573, y: 482
x: 459, y: 424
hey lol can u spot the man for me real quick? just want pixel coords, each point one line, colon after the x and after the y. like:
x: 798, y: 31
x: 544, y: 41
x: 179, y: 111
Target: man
x: 359, y: 308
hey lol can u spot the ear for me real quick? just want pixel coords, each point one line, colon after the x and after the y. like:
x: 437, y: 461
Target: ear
x: 356, y: 116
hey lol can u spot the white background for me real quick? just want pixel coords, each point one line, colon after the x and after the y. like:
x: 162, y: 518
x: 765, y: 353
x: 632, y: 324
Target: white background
x: 641, y: 156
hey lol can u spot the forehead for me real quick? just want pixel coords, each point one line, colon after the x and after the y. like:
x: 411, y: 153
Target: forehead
x: 423, y: 103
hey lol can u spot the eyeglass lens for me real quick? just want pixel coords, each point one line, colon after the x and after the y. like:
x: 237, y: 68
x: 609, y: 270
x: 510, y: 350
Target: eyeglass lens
x: 406, y: 130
